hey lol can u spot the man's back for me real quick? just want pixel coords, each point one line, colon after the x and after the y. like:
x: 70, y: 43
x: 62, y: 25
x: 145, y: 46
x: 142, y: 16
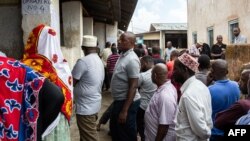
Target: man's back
x: 223, y: 93
x: 161, y: 110
x: 105, y: 54
x: 147, y: 88
x: 112, y: 59
x: 87, y: 91
x: 194, y: 115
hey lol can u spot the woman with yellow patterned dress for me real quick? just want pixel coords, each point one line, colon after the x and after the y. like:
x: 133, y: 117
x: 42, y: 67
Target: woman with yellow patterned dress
x: 43, y: 54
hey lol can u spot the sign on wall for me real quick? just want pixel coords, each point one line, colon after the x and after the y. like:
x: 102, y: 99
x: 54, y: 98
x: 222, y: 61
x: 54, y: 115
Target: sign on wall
x: 35, y: 6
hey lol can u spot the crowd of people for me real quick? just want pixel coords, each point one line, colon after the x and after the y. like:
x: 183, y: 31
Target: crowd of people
x: 181, y: 96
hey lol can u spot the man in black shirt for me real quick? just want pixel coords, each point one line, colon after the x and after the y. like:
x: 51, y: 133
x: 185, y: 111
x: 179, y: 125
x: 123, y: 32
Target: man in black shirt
x: 218, y: 49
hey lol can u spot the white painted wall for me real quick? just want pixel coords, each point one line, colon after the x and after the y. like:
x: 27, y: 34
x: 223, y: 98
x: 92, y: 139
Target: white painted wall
x: 217, y: 13
x: 99, y: 32
x: 111, y: 33
x: 88, y: 26
x: 73, y: 31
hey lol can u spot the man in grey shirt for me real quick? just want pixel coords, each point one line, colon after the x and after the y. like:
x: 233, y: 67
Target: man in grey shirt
x: 239, y: 39
x: 124, y: 86
x: 146, y: 89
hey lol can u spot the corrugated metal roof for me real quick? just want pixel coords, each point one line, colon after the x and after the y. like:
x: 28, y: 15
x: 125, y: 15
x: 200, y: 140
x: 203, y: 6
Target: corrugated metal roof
x: 168, y: 26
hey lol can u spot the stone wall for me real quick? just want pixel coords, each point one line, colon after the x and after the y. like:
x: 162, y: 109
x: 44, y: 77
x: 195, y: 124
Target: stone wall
x: 236, y: 56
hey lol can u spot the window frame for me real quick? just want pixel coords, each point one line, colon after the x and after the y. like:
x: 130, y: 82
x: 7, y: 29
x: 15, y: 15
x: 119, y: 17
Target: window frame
x: 209, y: 40
x: 194, y: 37
x: 230, y: 29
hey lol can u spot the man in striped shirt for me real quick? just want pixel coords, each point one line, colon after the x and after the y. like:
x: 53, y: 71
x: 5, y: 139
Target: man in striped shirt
x: 112, y: 59
x: 160, y: 113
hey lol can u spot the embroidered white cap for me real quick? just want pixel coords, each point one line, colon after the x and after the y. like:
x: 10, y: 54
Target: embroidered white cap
x: 189, y: 62
x: 89, y: 41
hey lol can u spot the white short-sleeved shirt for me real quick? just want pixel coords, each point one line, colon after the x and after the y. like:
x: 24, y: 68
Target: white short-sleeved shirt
x: 89, y: 70
x: 162, y: 109
x: 240, y: 39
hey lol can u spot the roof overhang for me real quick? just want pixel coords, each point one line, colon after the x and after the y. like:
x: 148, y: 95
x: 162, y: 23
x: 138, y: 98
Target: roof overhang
x: 109, y: 11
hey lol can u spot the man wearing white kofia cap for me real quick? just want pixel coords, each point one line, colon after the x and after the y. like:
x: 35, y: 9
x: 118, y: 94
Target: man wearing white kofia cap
x: 193, y: 120
x: 88, y: 74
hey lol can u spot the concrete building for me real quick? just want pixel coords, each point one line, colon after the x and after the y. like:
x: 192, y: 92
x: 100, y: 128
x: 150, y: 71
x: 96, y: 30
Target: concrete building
x: 70, y: 18
x: 209, y: 18
x: 160, y: 33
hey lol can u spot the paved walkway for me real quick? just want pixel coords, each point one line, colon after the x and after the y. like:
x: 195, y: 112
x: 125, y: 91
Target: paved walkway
x: 103, y: 134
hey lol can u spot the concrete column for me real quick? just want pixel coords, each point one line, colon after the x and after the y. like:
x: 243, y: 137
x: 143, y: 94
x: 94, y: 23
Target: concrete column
x: 72, y: 31
x: 100, y: 33
x: 111, y: 33
x: 162, y: 43
x: 42, y: 12
x: 88, y: 26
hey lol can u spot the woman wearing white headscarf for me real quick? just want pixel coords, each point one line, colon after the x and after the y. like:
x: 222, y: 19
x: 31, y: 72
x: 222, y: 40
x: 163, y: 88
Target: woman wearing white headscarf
x: 43, y: 54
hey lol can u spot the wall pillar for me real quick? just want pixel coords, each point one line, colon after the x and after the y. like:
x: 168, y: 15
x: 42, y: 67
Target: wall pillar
x: 162, y: 43
x: 42, y: 12
x: 111, y: 33
x: 72, y: 31
x: 100, y: 33
x: 88, y: 26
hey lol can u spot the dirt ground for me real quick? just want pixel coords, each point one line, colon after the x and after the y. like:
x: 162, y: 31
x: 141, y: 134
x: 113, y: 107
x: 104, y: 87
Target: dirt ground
x: 103, y: 134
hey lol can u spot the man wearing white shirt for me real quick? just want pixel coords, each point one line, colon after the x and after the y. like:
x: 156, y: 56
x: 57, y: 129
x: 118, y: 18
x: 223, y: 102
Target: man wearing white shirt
x: 169, y: 50
x: 239, y: 39
x: 194, y: 114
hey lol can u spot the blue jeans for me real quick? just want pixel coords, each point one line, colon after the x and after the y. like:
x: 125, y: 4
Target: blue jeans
x: 127, y: 131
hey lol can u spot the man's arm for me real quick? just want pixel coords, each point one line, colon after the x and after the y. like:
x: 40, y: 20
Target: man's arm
x: 196, y: 119
x: 216, y: 55
x: 194, y: 55
x: 161, y: 132
x: 78, y: 70
x: 133, y: 72
x: 133, y: 85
